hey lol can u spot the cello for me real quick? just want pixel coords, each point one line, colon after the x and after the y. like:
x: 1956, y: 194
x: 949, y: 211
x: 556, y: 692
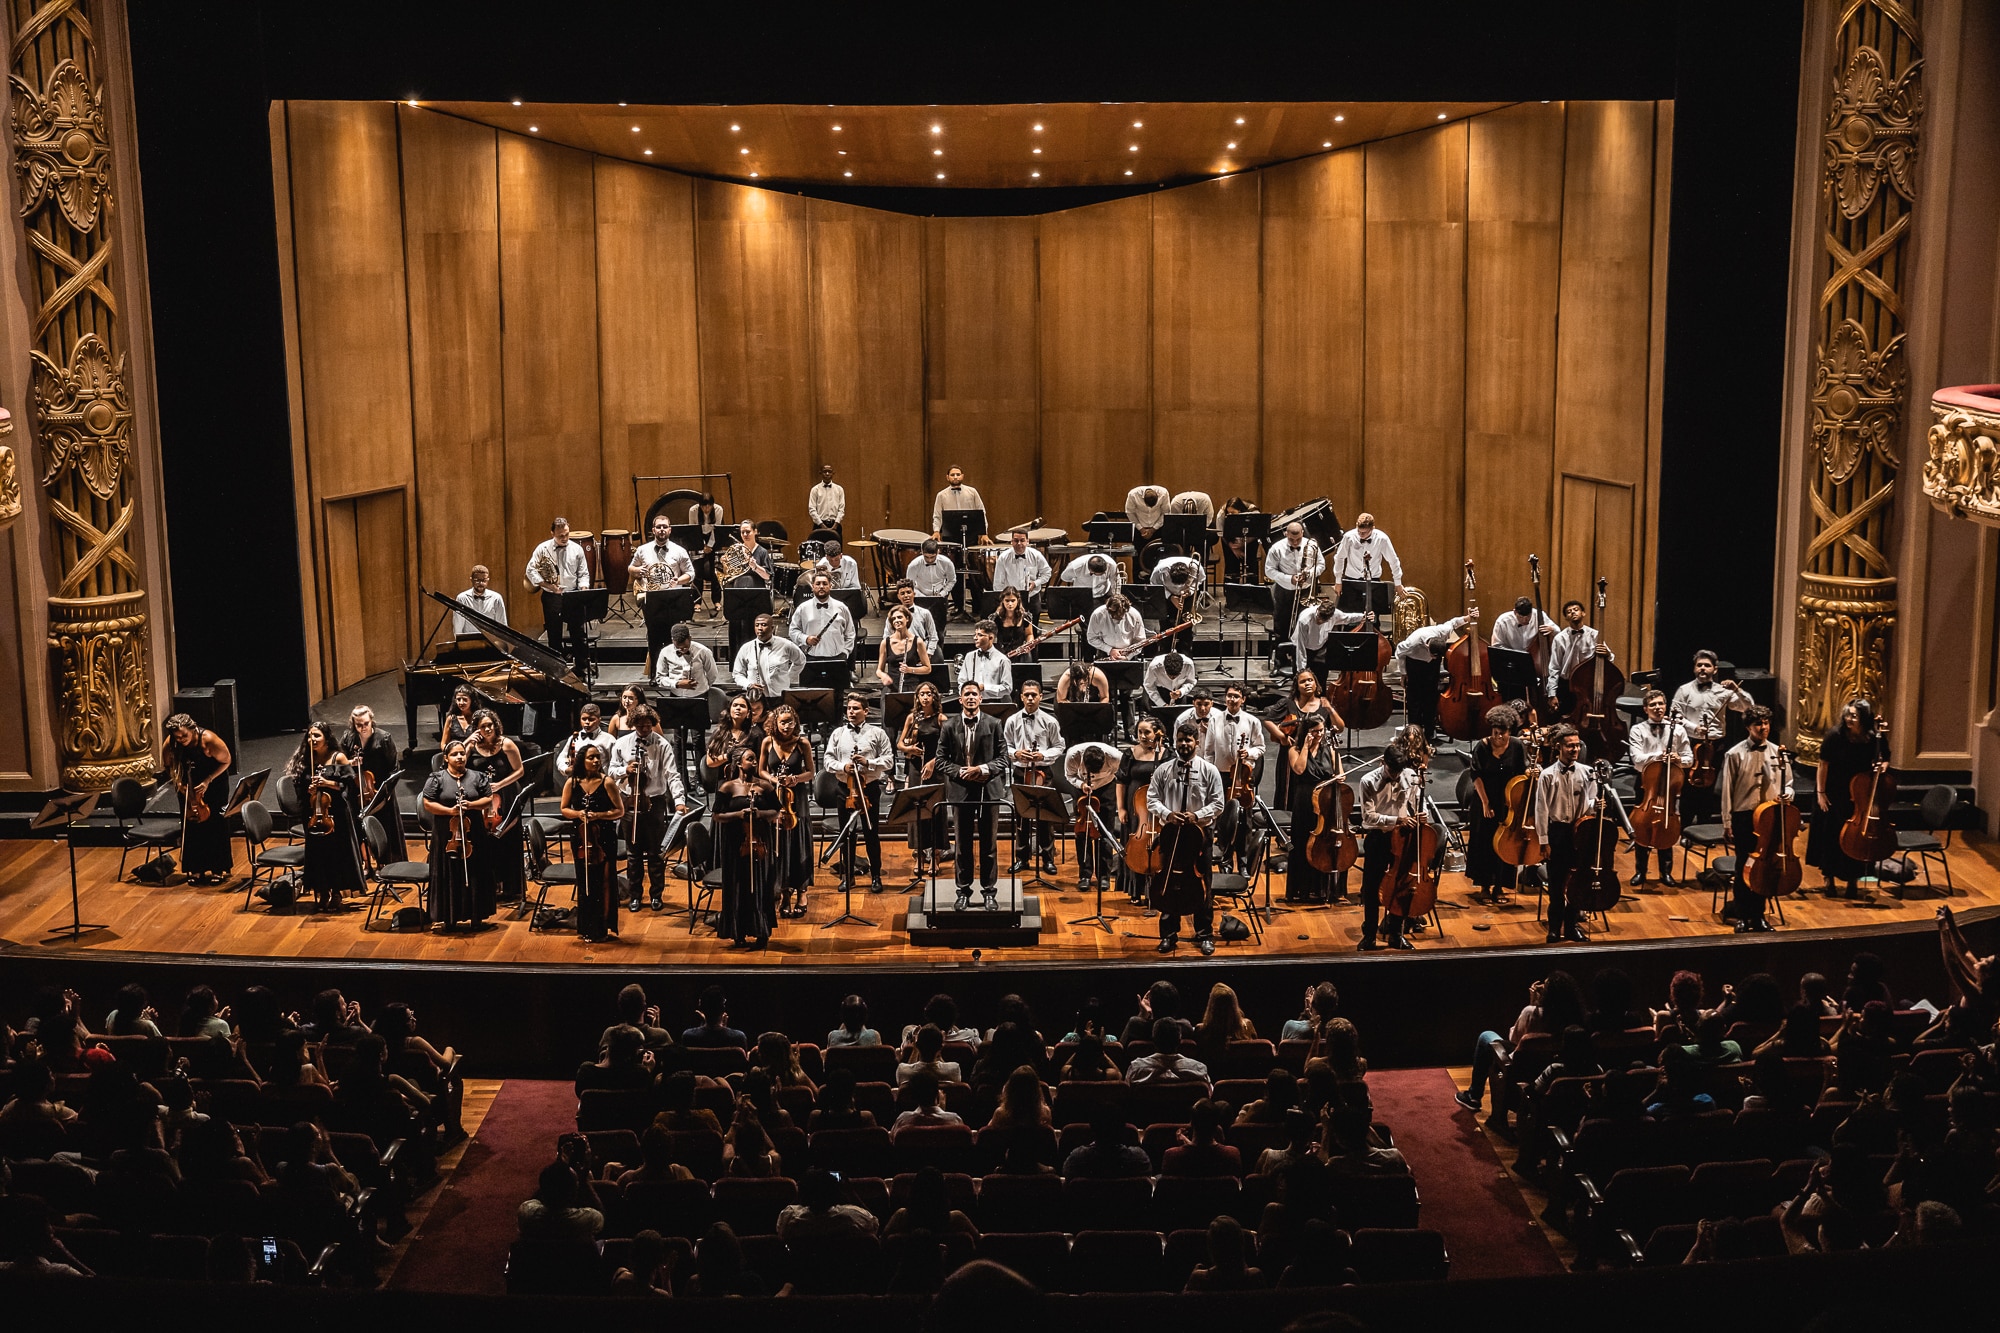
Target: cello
x: 1333, y: 848
x: 1140, y: 856
x: 1773, y: 870
x: 1596, y: 685
x: 1656, y: 823
x: 1413, y: 859
x: 1363, y: 698
x: 1518, y: 840
x: 1181, y: 845
x: 1867, y: 836
x: 1462, y: 708
x: 1593, y: 880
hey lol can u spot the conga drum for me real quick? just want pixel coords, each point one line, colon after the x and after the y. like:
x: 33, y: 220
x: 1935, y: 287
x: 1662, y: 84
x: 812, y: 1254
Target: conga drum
x: 617, y: 560
x: 588, y: 541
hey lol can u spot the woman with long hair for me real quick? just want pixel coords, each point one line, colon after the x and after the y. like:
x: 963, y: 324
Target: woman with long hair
x: 787, y: 764
x: 903, y: 656
x: 1845, y: 753
x: 1306, y: 701
x: 495, y: 754
x: 1312, y: 762
x: 330, y: 783
x: 593, y: 805
x: 1135, y: 774
x: 748, y: 892
x: 458, y: 718
x: 1013, y: 627
x: 631, y: 697
x: 918, y: 742
x: 732, y: 732
x: 1222, y: 1023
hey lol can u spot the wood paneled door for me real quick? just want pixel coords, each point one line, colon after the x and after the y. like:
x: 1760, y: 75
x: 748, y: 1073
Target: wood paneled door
x: 367, y: 581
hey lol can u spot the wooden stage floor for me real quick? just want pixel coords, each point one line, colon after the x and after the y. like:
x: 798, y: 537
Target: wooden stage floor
x: 189, y: 920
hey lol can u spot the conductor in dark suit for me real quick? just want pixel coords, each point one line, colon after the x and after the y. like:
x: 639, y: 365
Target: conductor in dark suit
x: 971, y: 755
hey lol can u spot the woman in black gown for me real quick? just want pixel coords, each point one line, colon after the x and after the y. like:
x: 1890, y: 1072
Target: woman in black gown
x: 1312, y: 761
x: 592, y: 805
x: 1135, y: 774
x: 499, y: 759
x: 918, y: 744
x: 196, y: 759
x: 749, y: 884
x: 1849, y: 750
x: 787, y: 765
x: 458, y: 719
x: 1012, y: 625
x: 1306, y: 700
x: 1496, y: 761
x: 734, y: 732
x: 333, y: 856
x: 902, y: 660
x: 460, y: 894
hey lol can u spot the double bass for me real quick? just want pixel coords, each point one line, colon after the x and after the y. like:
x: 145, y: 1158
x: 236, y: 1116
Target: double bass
x: 1462, y: 708
x: 1656, y: 821
x: 1593, y: 879
x: 1867, y: 836
x: 1773, y: 870
x: 1595, y: 686
x: 1413, y: 859
x: 1518, y: 840
x: 1363, y: 698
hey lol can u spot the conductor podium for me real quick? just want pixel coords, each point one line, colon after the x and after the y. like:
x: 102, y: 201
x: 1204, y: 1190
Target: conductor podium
x: 934, y: 920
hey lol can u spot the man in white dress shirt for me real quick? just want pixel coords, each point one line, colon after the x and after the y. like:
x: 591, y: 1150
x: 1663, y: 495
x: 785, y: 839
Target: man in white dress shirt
x: 1292, y: 568
x: 841, y: 568
x: 1115, y: 628
x: 1022, y: 566
x: 1575, y: 644
x: 986, y: 666
x: 644, y: 765
x: 1091, y: 767
x: 1178, y: 574
x: 1169, y: 679
x: 826, y: 503
x: 589, y: 733
x: 660, y: 563
x: 1193, y: 502
x: 1566, y: 792
x: 1651, y: 738
x: 1422, y: 655
x: 1185, y: 790
x: 685, y: 669
x: 1364, y: 555
x: 766, y: 663
x: 864, y: 746
x: 921, y: 622
x: 824, y: 628
x: 482, y: 599
x: 949, y: 522
x: 1099, y: 573
x: 1705, y: 704
x: 1231, y: 731
x: 1751, y: 773
x: 1526, y: 630
x: 1034, y: 745
x: 1146, y: 506
x: 559, y: 567
x: 1321, y: 621
x: 1199, y: 714
x: 933, y: 574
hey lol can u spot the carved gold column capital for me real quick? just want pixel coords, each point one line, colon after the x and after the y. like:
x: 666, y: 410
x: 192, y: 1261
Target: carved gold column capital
x: 1962, y: 466
x: 10, y: 480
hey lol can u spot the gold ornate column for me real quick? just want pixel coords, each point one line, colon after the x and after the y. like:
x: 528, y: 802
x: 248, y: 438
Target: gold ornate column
x: 1868, y: 191
x: 81, y: 412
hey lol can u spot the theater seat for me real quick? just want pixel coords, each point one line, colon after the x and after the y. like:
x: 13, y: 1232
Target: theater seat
x: 1019, y: 1203
x: 1386, y: 1255
x: 1117, y: 1261
x: 1042, y: 1257
x: 751, y: 1206
x: 1107, y: 1205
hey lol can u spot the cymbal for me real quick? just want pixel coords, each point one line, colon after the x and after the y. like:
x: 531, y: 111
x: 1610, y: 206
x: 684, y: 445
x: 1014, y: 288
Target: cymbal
x: 862, y: 544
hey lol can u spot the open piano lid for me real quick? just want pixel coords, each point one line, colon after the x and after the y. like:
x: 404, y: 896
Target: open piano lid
x: 515, y: 645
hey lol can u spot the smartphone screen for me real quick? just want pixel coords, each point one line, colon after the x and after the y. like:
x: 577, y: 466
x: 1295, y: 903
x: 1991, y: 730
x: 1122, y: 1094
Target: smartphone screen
x: 268, y: 1255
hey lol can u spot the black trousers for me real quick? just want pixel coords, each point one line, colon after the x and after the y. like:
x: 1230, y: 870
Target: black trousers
x: 869, y: 831
x: 1420, y: 693
x: 1375, y: 849
x: 659, y: 628
x: 983, y: 819
x: 565, y: 611
x: 1284, y: 605
x: 1095, y: 855
x: 1743, y: 904
x: 1561, y: 859
x: 645, y: 858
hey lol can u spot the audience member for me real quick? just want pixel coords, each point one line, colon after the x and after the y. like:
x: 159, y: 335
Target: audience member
x: 1281, y: 1094
x: 1088, y: 1062
x: 1322, y: 1002
x: 1228, y: 1267
x: 1816, y: 993
x: 635, y: 1012
x: 1113, y: 1153
x: 1612, y: 1010
x: 1798, y: 1038
x: 929, y: 1210
x: 924, y: 1108
x: 132, y: 1014
x: 1316, y: 1259
x: 1349, y: 1151
x: 779, y: 1058
x: 1867, y: 983
x: 719, y: 1269
x: 27, y: 1245
x: 1199, y: 1150
x: 1680, y: 1022
x: 1166, y: 1064
x: 1160, y: 1000
x: 747, y: 1149
x: 1554, y: 1003
x: 853, y: 1029
x: 679, y: 1113
x: 201, y: 1015
x: 820, y: 1215
x: 714, y: 1031
x: 1576, y: 1058
x: 1023, y: 1102
x: 1092, y: 1021
x: 929, y: 1042
x: 1221, y: 1023
x: 940, y: 1012
x: 1010, y: 1045
x: 648, y: 1270
x: 761, y: 1092
x: 835, y: 1107
x: 625, y: 1066
x: 334, y: 1018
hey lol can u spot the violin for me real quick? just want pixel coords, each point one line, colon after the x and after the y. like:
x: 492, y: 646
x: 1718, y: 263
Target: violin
x: 1657, y: 820
x: 1773, y: 870
x: 1333, y: 847
x: 1242, y: 776
x: 1867, y: 836
x: 1593, y: 879
x: 1462, y: 708
x: 320, y: 819
x: 1596, y: 685
x: 1086, y: 814
x: 1702, y: 773
x: 1413, y: 854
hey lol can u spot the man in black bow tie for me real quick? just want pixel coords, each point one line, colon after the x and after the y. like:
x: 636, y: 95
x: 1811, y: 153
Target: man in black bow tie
x: 1753, y: 772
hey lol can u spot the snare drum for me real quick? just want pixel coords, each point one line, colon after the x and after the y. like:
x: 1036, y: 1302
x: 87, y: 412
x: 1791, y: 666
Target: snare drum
x: 588, y: 541
x: 617, y: 557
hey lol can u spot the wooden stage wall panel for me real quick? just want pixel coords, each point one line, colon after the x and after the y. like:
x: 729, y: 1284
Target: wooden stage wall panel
x: 451, y: 243
x: 1314, y: 250
x: 867, y: 359
x: 548, y: 295
x: 648, y: 345
x: 1456, y: 329
x: 755, y: 309
x: 982, y: 370
x: 1097, y: 418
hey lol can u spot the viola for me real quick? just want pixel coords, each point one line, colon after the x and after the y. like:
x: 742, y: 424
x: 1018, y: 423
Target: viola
x: 1656, y: 822
x: 1595, y: 686
x: 320, y: 820
x: 1773, y: 870
x: 1867, y: 836
x: 1086, y: 810
x: 1702, y: 773
x: 1593, y: 879
x: 1333, y: 847
x: 1462, y: 708
x: 1413, y: 859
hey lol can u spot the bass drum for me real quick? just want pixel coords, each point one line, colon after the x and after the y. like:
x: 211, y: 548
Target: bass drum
x: 616, y: 558
x: 675, y: 505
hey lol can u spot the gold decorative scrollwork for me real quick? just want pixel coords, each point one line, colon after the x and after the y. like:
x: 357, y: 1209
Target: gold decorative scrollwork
x: 81, y: 404
x: 60, y: 146
x: 1962, y: 472
x: 1868, y: 180
x: 10, y: 481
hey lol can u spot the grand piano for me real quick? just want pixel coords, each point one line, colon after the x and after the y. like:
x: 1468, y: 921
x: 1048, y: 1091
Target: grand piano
x: 529, y: 686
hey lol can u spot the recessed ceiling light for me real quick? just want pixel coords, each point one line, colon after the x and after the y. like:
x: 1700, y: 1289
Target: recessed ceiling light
x: 1035, y: 173
x: 1128, y: 172
x: 744, y: 151
x: 734, y: 128
x: 1338, y: 119
x: 1232, y: 147
x: 1038, y: 150
x: 1038, y: 127
x: 1239, y: 120
x: 753, y: 175
x: 841, y: 151
x: 847, y: 173
x: 940, y: 175
x: 836, y: 129
x: 649, y: 152
x: 413, y: 101
x: 1440, y: 115
x: 1135, y: 148
x: 621, y: 104
x: 937, y: 152
x: 534, y: 129
x: 635, y: 129
x: 517, y: 101
x: 1138, y: 124
x: 937, y: 129
x: 1327, y: 144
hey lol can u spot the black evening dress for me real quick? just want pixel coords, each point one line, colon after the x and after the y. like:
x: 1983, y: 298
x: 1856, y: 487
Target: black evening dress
x: 1482, y: 864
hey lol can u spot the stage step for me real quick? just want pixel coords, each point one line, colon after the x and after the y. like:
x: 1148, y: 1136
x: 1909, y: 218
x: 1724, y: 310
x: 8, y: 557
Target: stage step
x: 935, y: 921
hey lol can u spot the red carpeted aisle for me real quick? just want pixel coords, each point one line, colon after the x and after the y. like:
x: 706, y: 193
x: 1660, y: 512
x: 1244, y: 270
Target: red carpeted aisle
x: 1466, y: 1194
x: 462, y: 1245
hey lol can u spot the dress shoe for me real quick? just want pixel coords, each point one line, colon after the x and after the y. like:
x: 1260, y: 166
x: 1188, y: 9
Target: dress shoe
x: 1744, y: 927
x: 1669, y: 881
x: 1369, y: 945
x: 1167, y: 944
x: 1048, y: 865
x: 1554, y: 937
x: 964, y: 901
x: 1575, y: 935
x: 1638, y: 878
x: 875, y: 884
x: 1206, y: 944
x: 1761, y: 926
x: 1020, y: 864
x: 1399, y: 942
x: 991, y: 902
x: 633, y: 905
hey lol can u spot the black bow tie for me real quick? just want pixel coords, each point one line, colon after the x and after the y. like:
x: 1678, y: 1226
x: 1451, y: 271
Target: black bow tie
x: 1754, y: 746
x: 854, y: 727
x: 1567, y: 766
x: 822, y: 603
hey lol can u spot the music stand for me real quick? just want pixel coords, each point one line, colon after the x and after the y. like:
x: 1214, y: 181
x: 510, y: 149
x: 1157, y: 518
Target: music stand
x: 1103, y: 920
x: 1081, y: 722
x: 986, y: 602
x: 998, y: 709
x: 912, y: 806
x: 1030, y: 669
x: 1111, y: 531
x: 1353, y: 650
x: 1068, y: 603
x: 829, y: 674
x: 1247, y: 600
x: 844, y: 841
x: 964, y: 526
x: 1150, y: 600
x: 1513, y: 673
x: 821, y: 706
x: 665, y: 608
x: 856, y: 602
x: 896, y: 708
x: 1187, y: 531
x: 744, y: 605
x: 247, y: 790
x: 684, y: 717
x: 1125, y: 675
x: 1042, y: 805
x: 66, y: 809
x: 1253, y: 527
